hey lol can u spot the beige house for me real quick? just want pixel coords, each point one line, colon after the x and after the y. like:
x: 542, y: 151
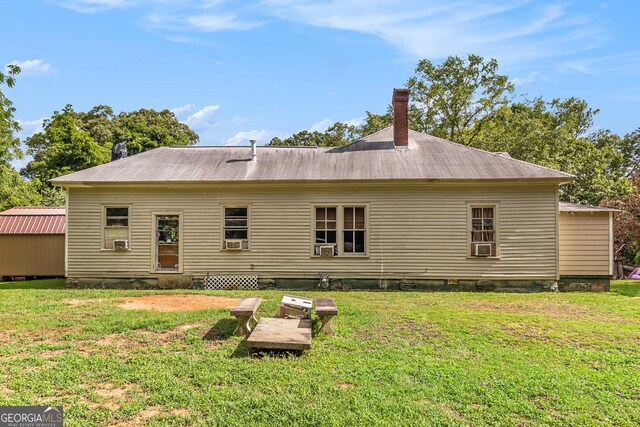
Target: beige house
x: 397, y: 209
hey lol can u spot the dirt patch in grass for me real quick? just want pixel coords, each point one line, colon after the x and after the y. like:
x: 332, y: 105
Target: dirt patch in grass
x: 554, y: 310
x: 177, y: 302
x: 74, y: 302
x: 124, y: 342
x: 142, y: 417
x: 345, y: 386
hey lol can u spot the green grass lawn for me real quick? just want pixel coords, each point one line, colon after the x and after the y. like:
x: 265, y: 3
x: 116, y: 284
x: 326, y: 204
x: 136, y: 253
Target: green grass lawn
x: 397, y: 359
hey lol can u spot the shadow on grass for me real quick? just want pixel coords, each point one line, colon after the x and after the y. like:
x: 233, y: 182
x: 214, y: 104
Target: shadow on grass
x: 34, y: 284
x: 243, y: 351
x: 222, y: 330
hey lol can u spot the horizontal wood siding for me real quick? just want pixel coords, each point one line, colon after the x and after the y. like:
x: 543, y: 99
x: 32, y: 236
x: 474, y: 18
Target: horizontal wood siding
x: 584, y: 244
x: 32, y: 255
x: 413, y: 231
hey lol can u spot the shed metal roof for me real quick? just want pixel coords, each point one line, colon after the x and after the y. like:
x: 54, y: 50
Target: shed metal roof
x: 33, y: 220
x: 372, y: 158
x: 574, y: 207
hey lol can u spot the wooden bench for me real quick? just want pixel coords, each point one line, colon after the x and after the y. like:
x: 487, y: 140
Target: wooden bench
x: 281, y: 334
x: 245, y: 312
x: 326, y: 309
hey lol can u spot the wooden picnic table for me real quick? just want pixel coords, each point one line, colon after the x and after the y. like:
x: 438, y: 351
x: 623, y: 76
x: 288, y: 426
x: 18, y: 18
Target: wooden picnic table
x: 281, y: 334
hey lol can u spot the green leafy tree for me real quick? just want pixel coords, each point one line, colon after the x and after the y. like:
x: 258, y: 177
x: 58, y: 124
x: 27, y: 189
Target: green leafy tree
x: 61, y: 148
x: 72, y: 141
x: 553, y: 134
x: 14, y: 191
x: 336, y: 135
x: 9, y: 143
x: 454, y: 100
x: 146, y: 129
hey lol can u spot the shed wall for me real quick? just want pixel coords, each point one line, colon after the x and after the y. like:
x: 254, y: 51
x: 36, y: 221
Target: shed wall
x: 32, y: 255
x: 414, y: 231
x: 585, y: 244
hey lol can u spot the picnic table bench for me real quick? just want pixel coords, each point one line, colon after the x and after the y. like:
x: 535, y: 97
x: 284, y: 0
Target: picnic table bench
x: 281, y: 334
x: 326, y: 309
x: 245, y: 312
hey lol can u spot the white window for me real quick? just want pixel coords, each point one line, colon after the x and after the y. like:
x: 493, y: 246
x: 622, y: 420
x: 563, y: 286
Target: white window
x: 326, y: 233
x: 342, y: 227
x: 116, y: 227
x: 483, y: 231
x: 353, y: 230
x: 236, y: 227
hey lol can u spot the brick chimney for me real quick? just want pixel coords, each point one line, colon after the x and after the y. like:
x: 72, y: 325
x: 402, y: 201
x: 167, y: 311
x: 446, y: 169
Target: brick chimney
x: 400, y: 104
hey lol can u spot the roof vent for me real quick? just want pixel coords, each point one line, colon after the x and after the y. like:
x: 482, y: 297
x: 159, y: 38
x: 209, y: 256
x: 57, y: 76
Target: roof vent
x: 254, y: 150
x: 503, y: 154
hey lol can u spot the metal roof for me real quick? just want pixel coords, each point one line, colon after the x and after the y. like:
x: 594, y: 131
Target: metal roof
x: 574, y: 207
x: 33, y: 220
x: 372, y: 158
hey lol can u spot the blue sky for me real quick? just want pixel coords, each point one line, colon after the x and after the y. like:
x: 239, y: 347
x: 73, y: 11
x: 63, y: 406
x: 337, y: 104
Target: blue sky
x: 236, y: 70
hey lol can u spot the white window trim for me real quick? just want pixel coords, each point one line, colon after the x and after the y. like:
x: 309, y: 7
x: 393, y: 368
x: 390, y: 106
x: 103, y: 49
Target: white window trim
x: 180, y: 216
x: 103, y: 221
x: 496, y: 225
x: 340, y: 229
x: 222, y: 222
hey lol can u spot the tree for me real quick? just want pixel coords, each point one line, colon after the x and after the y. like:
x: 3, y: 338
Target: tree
x: 61, y: 148
x: 454, y: 100
x: 72, y: 141
x: 9, y: 143
x: 553, y: 134
x: 14, y: 191
x: 146, y: 129
x: 336, y: 135
x: 626, y: 224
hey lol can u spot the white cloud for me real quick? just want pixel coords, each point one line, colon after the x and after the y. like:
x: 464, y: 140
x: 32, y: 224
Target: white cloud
x: 95, y: 6
x: 30, y: 127
x: 189, y: 19
x: 530, y: 78
x: 32, y: 67
x: 180, y: 39
x: 202, y: 117
x: 619, y: 63
x: 356, y: 121
x: 243, y: 137
x: 321, y: 126
x: 239, y: 120
x: 512, y: 29
x: 215, y: 22
x: 178, y: 111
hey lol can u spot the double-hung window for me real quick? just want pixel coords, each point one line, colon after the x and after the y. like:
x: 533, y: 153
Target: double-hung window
x: 353, y: 230
x: 236, y: 227
x: 326, y: 229
x: 116, y: 228
x: 342, y: 228
x: 483, y: 232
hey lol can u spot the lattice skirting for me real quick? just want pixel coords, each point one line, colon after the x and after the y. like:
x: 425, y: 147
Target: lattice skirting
x: 231, y: 281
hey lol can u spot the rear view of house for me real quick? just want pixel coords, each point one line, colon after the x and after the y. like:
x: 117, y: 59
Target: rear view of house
x: 396, y: 209
x: 32, y: 242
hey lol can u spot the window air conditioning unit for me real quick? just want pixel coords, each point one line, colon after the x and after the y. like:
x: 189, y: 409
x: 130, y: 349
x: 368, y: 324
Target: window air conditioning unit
x: 121, y: 245
x: 327, y: 250
x: 482, y: 249
x: 233, y: 244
